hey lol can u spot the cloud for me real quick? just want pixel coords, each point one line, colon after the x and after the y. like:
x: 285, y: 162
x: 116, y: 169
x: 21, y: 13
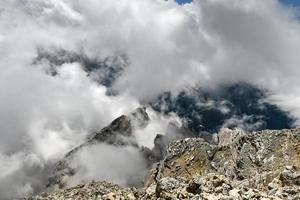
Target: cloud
x: 159, y: 124
x: 23, y: 173
x: 245, y: 122
x: 169, y: 47
x: 257, y: 42
x: 121, y: 165
x: 43, y: 117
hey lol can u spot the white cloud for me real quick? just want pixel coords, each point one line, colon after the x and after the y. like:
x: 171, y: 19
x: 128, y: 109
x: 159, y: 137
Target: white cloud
x: 159, y: 124
x: 170, y: 47
x: 244, y: 122
x: 44, y: 117
x: 120, y: 165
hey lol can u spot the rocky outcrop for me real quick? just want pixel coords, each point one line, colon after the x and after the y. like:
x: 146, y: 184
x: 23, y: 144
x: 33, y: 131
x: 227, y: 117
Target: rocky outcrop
x: 237, y: 165
x: 259, y: 164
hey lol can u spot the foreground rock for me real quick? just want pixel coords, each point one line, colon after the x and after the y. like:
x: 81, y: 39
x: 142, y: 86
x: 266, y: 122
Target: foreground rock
x: 260, y: 165
x: 240, y: 165
x: 90, y: 191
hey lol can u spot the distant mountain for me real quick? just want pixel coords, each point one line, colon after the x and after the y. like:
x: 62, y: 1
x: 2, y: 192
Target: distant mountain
x: 105, y: 71
x: 237, y: 105
x: 205, y: 109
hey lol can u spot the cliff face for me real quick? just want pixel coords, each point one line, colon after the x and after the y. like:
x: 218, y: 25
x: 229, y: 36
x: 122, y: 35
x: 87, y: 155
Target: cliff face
x: 235, y: 165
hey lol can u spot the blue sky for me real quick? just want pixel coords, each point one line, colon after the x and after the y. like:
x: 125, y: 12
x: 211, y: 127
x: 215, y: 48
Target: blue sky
x: 285, y: 2
x: 186, y: 1
x: 290, y: 2
x: 293, y: 3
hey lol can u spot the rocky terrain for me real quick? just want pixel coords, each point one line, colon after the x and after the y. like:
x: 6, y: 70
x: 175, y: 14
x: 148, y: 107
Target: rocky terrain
x: 229, y: 165
x: 118, y: 133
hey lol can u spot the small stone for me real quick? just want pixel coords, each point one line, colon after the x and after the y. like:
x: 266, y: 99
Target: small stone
x: 111, y: 196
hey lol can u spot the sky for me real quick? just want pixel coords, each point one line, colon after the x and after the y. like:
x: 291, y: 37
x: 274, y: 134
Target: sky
x: 48, y: 108
x: 285, y: 2
x: 183, y: 1
x: 295, y: 4
x: 290, y: 2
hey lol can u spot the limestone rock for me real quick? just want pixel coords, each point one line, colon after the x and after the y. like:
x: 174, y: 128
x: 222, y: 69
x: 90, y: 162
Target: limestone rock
x: 260, y: 165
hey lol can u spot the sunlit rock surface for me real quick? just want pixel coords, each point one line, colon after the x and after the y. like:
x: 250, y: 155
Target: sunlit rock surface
x: 259, y: 165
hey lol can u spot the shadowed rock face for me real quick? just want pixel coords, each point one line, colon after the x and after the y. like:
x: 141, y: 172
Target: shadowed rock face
x: 259, y: 165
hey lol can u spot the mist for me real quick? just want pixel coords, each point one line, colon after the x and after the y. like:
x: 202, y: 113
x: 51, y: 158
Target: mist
x: 47, y: 108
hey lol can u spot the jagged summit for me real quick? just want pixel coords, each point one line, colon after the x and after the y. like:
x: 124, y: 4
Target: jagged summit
x: 122, y: 126
x: 117, y: 133
x: 258, y: 165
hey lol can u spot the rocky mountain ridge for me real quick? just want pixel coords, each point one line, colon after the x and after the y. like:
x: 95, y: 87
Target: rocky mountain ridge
x: 234, y: 165
x: 120, y: 132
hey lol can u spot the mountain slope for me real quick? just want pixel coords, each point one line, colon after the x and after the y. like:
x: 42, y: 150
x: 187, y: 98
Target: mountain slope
x: 260, y: 165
